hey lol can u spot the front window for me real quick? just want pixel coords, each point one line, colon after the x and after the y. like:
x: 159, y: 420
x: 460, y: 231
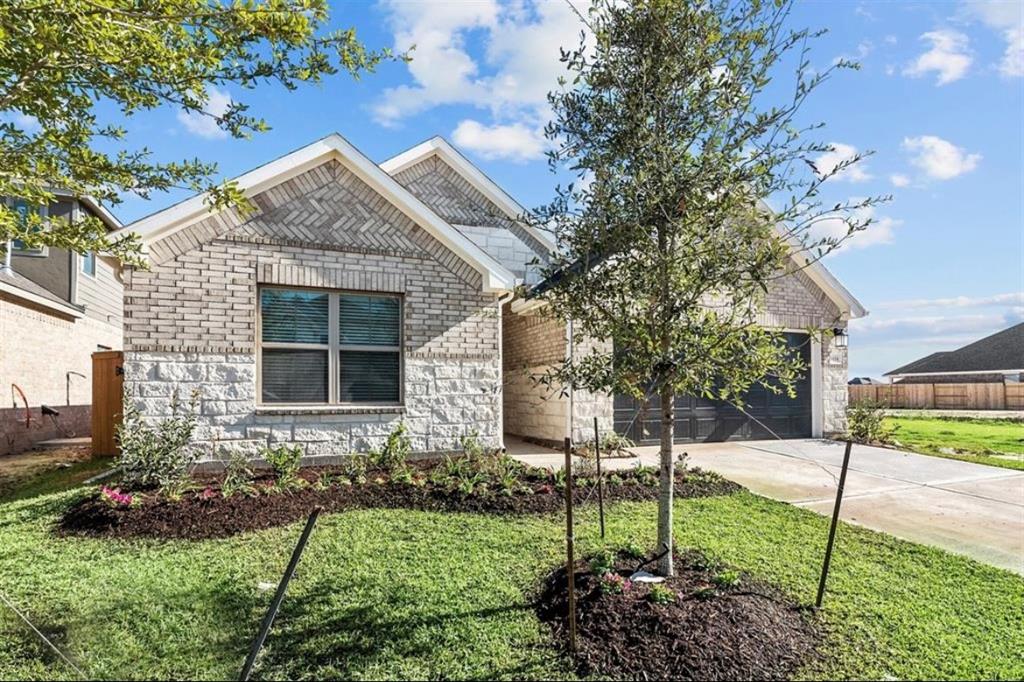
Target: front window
x: 320, y: 347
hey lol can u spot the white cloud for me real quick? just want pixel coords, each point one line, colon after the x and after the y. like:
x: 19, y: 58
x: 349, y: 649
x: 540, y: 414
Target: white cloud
x: 828, y: 161
x: 880, y: 231
x: 899, y: 180
x: 204, y: 124
x: 864, y: 48
x: 518, y: 64
x: 949, y: 57
x: 1007, y: 17
x: 1015, y: 298
x: 515, y: 142
x: 938, y: 158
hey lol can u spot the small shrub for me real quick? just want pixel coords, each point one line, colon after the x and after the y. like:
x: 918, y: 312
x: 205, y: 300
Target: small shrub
x: 558, y: 478
x: 726, y: 579
x: 158, y: 455
x: 395, y: 451
x: 645, y: 475
x: 354, y: 468
x: 402, y: 475
x: 238, y: 477
x: 324, y: 481
x: 615, y: 480
x: 471, y: 445
x: 613, y: 583
x: 612, y: 445
x: 284, y: 460
x: 661, y: 594
x: 602, y: 562
x: 866, y: 423
x: 507, y: 473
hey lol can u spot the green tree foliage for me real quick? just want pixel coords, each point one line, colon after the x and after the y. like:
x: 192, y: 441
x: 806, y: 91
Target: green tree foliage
x: 61, y: 61
x: 669, y: 247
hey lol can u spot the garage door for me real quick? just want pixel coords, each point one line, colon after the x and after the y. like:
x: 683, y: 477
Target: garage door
x: 699, y: 420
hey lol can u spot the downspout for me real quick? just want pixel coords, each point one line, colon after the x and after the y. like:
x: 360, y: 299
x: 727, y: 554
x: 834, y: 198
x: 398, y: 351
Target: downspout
x: 7, y: 255
x: 502, y: 300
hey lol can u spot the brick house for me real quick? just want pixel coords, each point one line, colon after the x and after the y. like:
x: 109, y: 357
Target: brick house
x: 358, y: 295
x: 56, y: 309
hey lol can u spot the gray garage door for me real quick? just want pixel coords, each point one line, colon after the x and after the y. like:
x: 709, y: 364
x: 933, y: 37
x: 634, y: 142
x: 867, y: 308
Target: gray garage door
x: 699, y: 420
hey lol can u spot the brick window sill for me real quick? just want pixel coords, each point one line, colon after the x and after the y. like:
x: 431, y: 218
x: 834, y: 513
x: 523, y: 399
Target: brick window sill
x: 330, y: 409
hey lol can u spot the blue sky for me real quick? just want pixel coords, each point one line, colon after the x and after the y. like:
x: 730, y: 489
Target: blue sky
x: 939, y: 98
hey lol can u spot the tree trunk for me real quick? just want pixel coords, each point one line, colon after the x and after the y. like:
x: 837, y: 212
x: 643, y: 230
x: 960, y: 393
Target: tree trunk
x: 666, y: 480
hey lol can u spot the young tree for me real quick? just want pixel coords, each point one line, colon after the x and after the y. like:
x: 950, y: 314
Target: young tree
x: 61, y: 60
x: 668, y: 246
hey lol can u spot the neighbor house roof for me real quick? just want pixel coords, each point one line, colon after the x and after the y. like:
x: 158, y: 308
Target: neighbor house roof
x: 21, y: 287
x: 496, y: 278
x: 1000, y: 352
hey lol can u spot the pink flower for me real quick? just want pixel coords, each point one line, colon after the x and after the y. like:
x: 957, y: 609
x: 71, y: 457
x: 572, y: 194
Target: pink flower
x: 208, y: 493
x: 115, y: 498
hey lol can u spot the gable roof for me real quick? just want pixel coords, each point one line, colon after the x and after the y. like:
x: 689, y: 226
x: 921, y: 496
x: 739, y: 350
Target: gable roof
x: 159, y: 225
x: 999, y: 352
x: 440, y: 147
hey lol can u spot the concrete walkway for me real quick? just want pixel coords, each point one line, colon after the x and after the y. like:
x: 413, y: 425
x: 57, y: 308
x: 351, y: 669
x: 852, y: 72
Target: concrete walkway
x: 967, y: 508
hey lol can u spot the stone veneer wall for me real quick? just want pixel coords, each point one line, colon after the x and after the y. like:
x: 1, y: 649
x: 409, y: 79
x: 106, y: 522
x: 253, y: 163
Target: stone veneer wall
x: 834, y: 394
x: 190, y: 321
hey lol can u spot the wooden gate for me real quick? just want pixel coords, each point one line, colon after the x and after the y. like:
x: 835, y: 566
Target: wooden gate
x: 107, y: 400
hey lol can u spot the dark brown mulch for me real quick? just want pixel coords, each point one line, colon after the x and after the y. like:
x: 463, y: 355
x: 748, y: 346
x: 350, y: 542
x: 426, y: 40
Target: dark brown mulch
x: 198, y: 516
x: 747, y: 631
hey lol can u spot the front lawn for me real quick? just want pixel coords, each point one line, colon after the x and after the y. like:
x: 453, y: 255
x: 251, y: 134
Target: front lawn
x: 413, y: 594
x: 998, y: 442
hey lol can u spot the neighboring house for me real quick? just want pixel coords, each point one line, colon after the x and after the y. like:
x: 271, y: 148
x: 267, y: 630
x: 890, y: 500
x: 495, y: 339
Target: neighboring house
x: 864, y: 381
x: 998, y: 358
x: 359, y: 295
x: 56, y: 309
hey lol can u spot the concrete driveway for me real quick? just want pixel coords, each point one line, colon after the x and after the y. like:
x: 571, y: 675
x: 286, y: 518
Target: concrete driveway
x: 966, y: 508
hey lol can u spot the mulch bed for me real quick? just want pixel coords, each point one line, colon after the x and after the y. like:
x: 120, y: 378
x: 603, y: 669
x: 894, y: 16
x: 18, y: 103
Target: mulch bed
x: 204, y: 513
x: 746, y: 631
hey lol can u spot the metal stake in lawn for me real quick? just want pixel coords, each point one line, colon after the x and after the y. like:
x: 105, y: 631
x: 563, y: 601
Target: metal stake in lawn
x: 600, y: 480
x: 570, y: 566
x: 278, y: 597
x: 832, y: 529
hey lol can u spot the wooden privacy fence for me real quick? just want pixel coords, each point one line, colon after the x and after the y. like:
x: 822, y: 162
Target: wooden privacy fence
x: 107, y: 400
x: 990, y: 396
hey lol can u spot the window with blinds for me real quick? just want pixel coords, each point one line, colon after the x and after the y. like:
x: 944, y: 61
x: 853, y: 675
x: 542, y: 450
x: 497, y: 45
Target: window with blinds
x: 319, y: 347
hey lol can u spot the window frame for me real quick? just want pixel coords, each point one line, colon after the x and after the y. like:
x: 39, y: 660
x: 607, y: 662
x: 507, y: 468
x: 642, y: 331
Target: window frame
x: 83, y: 259
x: 333, y: 347
x: 39, y: 251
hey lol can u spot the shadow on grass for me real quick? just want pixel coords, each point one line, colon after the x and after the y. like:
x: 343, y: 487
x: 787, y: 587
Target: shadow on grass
x: 316, y: 636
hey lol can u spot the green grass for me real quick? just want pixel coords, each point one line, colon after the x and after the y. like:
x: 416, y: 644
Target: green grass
x: 985, y: 441
x: 404, y: 594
